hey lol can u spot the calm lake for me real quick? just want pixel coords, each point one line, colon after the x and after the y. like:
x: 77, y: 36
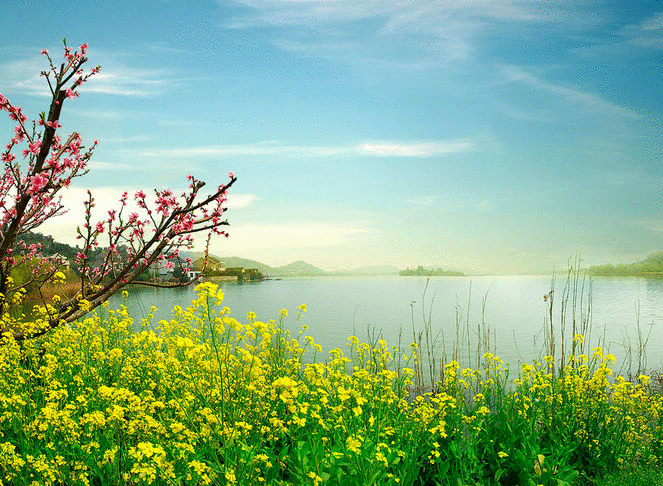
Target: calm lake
x: 513, y: 308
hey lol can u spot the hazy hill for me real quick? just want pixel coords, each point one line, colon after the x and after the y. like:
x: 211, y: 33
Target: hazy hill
x: 298, y: 268
x: 375, y: 270
x: 294, y: 269
x: 290, y: 270
x: 653, y: 264
x: 368, y: 270
x: 230, y: 262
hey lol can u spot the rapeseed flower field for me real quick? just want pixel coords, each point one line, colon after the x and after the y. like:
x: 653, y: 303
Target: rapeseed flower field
x: 205, y: 398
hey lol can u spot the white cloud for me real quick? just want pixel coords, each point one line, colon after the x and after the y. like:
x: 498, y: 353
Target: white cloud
x: 63, y: 227
x: 237, y: 150
x: 423, y: 201
x: 239, y: 201
x: 395, y: 12
x: 114, y: 77
x: 648, y: 34
x: 247, y: 238
x: 99, y: 165
x: 451, y: 205
x: 424, y: 149
x: 378, y: 149
x: 655, y: 22
x: 123, y: 81
x: 450, y: 26
x: 654, y: 225
x: 516, y: 74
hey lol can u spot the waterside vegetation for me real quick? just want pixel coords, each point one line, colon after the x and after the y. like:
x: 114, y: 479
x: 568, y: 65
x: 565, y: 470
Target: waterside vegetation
x: 652, y: 265
x: 423, y: 272
x: 205, y: 398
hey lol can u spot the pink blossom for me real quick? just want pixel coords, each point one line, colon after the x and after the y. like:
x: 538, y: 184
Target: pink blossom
x: 37, y: 182
x: 53, y: 124
x: 71, y: 94
x: 231, y: 174
x: 34, y: 147
x: 20, y: 133
x: 44, y: 52
x: 16, y: 114
x: 83, y: 48
x: 100, y: 227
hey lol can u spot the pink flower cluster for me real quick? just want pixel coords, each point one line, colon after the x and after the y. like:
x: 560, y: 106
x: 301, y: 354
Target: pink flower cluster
x: 155, y: 232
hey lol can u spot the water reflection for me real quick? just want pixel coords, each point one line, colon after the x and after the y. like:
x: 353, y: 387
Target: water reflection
x: 515, y: 312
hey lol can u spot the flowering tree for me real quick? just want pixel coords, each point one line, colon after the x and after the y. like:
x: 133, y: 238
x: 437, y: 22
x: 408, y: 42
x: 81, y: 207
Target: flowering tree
x: 30, y: 194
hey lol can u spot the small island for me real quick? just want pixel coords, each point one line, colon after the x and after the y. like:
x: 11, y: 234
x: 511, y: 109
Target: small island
x: 423, y: 272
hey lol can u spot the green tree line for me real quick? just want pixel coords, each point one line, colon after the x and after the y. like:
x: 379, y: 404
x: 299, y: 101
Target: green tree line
x: 653, y: 264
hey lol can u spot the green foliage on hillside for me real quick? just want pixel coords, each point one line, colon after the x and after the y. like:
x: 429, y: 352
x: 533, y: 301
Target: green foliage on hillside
x: 29, y: 272
x: 48, y: 245
x: 651, y: 265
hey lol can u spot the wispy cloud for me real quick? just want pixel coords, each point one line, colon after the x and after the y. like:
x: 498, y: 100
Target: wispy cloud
x: 442, y: 31
x: 423, y: 201
x: 239, y: 201
x: 654, y: 225
x: 373, y: 149
x: 63, y: 227
x: 240, y: 150
x: 128, y: 82
x: 99, y: 165
x: 451, y: 204
x: 426, y: 149
x: 655, y: 22
x: 647, y: 34
x: 632, y: 40
x: 516, y: 74
x: 281, y: 236
x: 396, y: 13
x: 114, y: 78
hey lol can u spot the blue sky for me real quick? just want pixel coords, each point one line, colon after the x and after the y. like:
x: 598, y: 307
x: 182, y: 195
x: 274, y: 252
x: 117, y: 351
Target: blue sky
x: 491, y: 136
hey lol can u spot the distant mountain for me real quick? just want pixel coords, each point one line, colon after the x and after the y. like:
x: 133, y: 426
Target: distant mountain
x: 653, y: 264
x: 303, y: 269
x: 299, y: 269
x: 295, y: 269
x: 375, y: 270
x: 230, y: 262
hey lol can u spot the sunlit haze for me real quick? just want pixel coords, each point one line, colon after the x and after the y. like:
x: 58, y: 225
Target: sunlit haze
x: 482, y: 136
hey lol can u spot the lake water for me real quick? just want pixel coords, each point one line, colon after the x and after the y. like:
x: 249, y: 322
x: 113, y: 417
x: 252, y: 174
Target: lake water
x: 515, y: 311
